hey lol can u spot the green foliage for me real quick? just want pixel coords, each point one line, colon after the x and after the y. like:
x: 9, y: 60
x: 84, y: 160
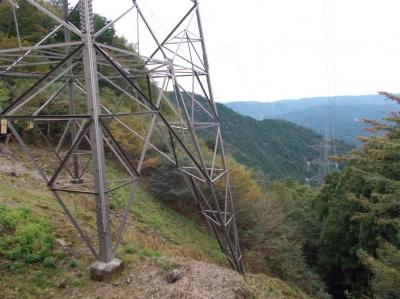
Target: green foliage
x: 32, y: 23
x: 25, y: 239
x: 278, y: 148
x: 108, y: 37
x: 358, y: 210
x: 10, y: 218
x: 385, y: 269
x: 279, y: 239
x: 49, y: 262
x: 129, y: 249
x: 73, y: 264
x: 338, y: 243
x: 148, y: 252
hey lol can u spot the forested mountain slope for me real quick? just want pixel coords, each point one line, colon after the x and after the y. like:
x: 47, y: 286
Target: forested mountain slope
x: 277, y: 147
x: 313, y: 113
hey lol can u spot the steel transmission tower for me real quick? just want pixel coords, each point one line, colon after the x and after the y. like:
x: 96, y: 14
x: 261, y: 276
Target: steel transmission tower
x: 158, y: 109
x: 327, y: 148
x: 324, y: 164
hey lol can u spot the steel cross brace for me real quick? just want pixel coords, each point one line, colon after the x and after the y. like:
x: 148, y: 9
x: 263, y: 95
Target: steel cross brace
x: 72, y: 61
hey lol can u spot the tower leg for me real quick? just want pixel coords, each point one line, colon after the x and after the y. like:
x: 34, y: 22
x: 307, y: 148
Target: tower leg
x: 71, y: 100
x: 107, y: 266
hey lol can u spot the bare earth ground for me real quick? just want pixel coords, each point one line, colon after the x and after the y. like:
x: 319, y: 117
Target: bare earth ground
x: 199, y: 280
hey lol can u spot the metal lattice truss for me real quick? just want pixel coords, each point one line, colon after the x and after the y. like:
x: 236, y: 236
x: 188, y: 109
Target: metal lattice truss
x: 159, y: 110
x: 324, y: 164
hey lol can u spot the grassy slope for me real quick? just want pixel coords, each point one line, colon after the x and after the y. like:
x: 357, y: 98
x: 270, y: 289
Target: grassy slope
x: 154, y: 235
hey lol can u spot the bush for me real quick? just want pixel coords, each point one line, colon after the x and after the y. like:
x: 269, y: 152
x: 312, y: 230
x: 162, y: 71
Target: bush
x: 10, y: 218
x: 129, y: 249
x: 73, y: 264
x: 25, y: 240
x: 49, y: 262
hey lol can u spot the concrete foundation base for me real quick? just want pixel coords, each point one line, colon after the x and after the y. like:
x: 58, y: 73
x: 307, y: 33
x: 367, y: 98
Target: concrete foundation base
x: 77, y: 181
x: 106, y: 272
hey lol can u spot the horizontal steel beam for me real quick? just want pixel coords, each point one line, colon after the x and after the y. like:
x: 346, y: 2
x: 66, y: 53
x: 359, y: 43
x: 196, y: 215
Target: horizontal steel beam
x: 40, y: 47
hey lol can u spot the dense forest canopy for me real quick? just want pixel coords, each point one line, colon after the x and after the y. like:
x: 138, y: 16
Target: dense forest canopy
x: 359, y: 211
x: 278, y: 148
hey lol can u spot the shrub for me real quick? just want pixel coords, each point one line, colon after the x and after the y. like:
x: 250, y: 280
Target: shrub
x: 26, y: 239
x: 10, y: 218
x: 73, y: 264
x: 49, y: 262
x: 129, y: 249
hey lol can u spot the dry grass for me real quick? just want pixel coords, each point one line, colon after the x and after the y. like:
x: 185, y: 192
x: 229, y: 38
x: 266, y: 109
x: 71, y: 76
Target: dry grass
x: 199, y: 281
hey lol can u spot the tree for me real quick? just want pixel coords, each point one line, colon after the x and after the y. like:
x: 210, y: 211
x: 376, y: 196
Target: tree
x: 32, y: 23
x: 359, y: 211
x: 386, y: 271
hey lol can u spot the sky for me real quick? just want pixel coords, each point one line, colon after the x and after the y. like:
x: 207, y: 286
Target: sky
x: 287, y: 49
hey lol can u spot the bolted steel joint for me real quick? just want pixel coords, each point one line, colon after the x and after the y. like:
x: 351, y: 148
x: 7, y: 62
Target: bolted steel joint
x: 86, y: 16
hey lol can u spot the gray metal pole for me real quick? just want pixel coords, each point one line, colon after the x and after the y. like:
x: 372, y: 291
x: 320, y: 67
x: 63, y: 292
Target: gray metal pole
x: 106, y: 253
x: 67, y: 37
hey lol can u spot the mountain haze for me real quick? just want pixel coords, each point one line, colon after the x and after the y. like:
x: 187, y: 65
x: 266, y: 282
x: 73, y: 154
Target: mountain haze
x: 313, y: 113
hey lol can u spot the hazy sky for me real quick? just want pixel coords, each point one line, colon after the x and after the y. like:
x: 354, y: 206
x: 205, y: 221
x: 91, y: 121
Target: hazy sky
x: 286, y: 49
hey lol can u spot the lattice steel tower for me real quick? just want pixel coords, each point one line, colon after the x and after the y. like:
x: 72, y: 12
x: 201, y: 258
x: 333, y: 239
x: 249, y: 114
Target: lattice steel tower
x: 158, y: 108
x: 324, y: 164
x: 319, y: 168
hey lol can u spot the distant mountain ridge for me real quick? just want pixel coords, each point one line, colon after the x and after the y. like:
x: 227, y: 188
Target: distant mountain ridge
x: 276, y: 147
x: 313, y: 113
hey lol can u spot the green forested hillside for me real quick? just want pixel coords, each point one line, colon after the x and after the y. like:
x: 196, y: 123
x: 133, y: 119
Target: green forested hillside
x: 276, y: 147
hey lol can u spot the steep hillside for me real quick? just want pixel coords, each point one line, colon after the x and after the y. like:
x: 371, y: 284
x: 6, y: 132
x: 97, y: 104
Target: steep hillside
x: 312, y: 113
x: 277, y: 147
x: 157, y: 240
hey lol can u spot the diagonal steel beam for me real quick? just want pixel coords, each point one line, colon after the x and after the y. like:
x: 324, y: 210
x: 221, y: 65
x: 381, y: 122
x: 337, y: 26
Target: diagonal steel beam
x: 57, y: 197
x: 74, y: 146
x: 21, y: 100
